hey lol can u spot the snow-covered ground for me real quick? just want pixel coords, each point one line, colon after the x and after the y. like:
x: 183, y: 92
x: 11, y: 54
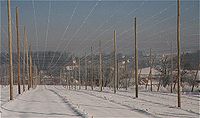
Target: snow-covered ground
x: 4, y: 94
x: 57, y: 101
x: 40, y: 102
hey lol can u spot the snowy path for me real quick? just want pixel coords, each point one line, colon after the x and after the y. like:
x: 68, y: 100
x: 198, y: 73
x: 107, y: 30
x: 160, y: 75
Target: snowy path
x: 39, y: 102
x: 149, y: 104
x: 98, y: 107
x: 57, y: 101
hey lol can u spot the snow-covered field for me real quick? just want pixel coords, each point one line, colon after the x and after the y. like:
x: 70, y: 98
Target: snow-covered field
x: 57, y: 101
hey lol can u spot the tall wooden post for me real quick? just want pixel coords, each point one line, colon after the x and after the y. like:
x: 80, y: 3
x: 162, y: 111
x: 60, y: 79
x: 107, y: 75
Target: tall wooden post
x: 33, y: 75
x: 69, y: 79
x: 74, y: 73
x: 2, y: 82
x: 117, y: 73
x: 79, y: 72
x: 7, y: 71
x: 100, y: 67
x: 115, y: 63
x: 92, y: 70
x: 31, y: 69
x: 136, y: 62
x: 86, y: 72
x: 65, y: 77
x: 150, y: 73
x: 178, y: 52
x: 10, y: 50
x: 171, y: 89
x: 24, y: 62
x: 18, y: 49
x: 36, y: 76
x: 126, y: 73
x: 1, y: 68
x: 27, y: 58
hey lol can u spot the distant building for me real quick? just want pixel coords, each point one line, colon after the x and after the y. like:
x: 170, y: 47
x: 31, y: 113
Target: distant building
x: 145, y: 72
x: 144, y: 75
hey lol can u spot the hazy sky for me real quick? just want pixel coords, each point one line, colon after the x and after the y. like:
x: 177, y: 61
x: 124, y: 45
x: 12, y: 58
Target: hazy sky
x: 77, y: 25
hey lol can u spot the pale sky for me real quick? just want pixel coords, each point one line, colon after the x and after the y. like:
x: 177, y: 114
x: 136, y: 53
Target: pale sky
x: 75, y: 26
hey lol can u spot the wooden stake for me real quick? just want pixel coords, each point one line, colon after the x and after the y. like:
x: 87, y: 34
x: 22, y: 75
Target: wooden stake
x: 10, y: 50
x: 178, y: 52
x: 2, y: 82
x: 171, y: 89
x: 18, y: 48
x: 31, y: 71
x: 92, y: 70
x: 150, y: 73
x: 100, y: 67
x: 24, y: 63
x: 126, y: 74
x: 69, y: 79
x: 74, y: 71
x: 27, y: 58
x: 117, y: 73
x: 136, y: 63
x: 36, y: 76
x: 115, y: 63
x: 79, y: 73
x: 85, y: 72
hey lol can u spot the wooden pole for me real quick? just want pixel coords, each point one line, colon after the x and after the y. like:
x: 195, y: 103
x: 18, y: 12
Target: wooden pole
x: 27, y: 59
x: 1, y: 73
x: 150, y: 73
x: 67, y: 77
x: 10, y: 50
x: 126, y: 73
x: 33, y: 75
x: 79, y: 73
x: 115, y: 70
x: 178, y: 52
x: 136, y: 63
x: 18, y: 49
x: 92, y: 70
x: 85, y: 72
x: 31, y: 69
x: 100, y: 67
x: 24, y: 62
x: 171, y: 89
x: 74, y: 73
x: 117, y: 73
x: 0, y: 63
x: 7, y: 70
x: 36, y: 76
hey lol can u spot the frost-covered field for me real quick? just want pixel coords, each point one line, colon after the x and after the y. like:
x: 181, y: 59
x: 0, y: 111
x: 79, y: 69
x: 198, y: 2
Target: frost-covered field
x: 57, y: 101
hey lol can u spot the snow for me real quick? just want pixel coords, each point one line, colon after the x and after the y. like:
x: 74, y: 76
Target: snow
x: 39, y: 102
x: 96, y: 106
x: 5, y: 93
x: 60, y: 102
